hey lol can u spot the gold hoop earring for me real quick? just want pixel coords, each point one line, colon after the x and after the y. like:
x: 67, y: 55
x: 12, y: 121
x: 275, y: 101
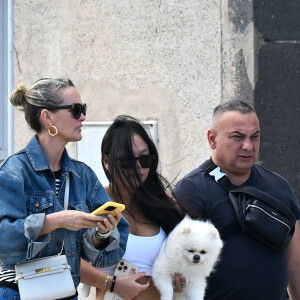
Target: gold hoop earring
x: 55, y: 130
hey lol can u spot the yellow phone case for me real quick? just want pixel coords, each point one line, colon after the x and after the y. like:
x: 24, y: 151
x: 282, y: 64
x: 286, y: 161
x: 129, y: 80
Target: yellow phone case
x: 109, y: 208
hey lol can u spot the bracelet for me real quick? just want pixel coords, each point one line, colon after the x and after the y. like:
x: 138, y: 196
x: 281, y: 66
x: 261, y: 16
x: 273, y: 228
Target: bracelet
x: 113, y: 284
x: 105, y: 283
x: 102, y: 236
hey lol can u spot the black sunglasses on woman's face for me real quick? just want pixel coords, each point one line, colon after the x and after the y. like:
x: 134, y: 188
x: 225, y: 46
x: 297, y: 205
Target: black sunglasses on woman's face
x: 76, y: 109
x: 146, y: 161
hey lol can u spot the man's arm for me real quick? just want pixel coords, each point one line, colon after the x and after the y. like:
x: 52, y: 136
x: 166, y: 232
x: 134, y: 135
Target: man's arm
x: 293, y: 256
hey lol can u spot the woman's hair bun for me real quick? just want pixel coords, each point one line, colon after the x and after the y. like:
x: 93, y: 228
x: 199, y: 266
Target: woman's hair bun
x: 18, y: 97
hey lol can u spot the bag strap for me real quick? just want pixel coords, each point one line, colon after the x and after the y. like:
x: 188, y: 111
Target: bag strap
x: 67, y: 192
x: 221, y: 178
x: 214, y: 171
x: 66, y: 203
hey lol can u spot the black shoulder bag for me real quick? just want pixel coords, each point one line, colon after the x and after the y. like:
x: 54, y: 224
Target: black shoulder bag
x: 260, y: 215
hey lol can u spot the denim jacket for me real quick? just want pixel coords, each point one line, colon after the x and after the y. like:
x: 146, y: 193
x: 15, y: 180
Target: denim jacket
x: 27, y: 194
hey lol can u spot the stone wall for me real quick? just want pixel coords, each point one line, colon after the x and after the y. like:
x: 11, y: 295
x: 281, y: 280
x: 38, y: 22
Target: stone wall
x: 277, y: 92
x: 260, y: 65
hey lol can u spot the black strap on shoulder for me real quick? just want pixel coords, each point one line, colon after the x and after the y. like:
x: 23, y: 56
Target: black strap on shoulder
x: 214, y: 171
x: 208, y: 165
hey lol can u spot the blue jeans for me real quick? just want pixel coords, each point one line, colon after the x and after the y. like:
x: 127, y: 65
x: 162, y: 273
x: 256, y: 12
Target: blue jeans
x: 10, y: 294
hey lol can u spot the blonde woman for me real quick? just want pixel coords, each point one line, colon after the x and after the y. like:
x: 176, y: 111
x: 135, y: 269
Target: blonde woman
x: 33, y: 222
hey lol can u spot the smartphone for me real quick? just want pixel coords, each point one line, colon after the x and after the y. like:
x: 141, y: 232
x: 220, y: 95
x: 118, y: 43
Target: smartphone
x: 125, y: 268
x: 109, y: 208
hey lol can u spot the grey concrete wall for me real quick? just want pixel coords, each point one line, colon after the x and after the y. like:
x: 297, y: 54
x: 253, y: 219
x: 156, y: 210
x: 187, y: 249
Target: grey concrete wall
x: 171, y: 61
x: 238, y: 50
x: 156, y: 60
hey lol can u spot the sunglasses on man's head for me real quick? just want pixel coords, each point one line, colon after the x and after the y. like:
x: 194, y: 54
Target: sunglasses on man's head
x: 146, y: 161
x: 76, y: 109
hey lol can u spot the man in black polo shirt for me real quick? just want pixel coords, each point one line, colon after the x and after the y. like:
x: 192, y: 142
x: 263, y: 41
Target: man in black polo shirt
x: 248, y: 270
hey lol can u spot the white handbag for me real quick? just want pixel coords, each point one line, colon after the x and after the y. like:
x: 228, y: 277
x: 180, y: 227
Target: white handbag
x: 46, y: 278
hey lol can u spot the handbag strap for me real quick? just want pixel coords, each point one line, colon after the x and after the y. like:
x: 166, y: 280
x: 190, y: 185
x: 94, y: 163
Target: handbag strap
x: 67, y: 191
x: 66, y: 203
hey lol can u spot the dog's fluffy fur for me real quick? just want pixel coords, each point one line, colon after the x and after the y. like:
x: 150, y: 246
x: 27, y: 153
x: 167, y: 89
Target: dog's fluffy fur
x: 191, y: 249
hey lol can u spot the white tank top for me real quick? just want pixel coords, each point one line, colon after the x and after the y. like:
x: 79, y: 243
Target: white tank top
x: 141, y: 251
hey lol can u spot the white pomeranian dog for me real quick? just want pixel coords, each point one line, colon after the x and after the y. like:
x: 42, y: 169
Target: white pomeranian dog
x: 192, y: 250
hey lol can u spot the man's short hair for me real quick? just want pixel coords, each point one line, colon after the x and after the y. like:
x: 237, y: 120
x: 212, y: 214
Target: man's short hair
x: 233, y: 105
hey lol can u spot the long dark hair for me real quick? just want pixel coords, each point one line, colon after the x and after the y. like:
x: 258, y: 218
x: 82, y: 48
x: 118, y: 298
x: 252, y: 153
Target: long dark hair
x: 150, y: 196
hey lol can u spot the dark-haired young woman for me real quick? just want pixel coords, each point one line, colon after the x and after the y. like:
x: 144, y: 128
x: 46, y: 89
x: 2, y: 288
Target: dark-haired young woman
x: 36, y: 220
x: 130, y: 160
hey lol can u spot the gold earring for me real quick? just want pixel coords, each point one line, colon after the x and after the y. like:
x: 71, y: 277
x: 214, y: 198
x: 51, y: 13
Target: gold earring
x: 55, y: 130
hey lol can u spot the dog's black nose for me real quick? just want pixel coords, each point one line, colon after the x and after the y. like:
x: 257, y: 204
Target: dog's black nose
x: 196, y: 258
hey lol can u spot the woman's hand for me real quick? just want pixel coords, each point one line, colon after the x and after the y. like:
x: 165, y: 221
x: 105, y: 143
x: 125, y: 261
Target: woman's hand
x: 106, y: 225
x: 128, y: 287
x: 108, y: 222
x: 178, y: 283
x: 76, y: 220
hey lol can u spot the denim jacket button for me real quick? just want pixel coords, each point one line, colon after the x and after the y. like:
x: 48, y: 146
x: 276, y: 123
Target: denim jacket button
x: 37, y: 204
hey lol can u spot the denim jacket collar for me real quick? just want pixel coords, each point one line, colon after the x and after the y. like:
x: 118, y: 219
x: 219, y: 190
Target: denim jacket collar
x: 39, y: 161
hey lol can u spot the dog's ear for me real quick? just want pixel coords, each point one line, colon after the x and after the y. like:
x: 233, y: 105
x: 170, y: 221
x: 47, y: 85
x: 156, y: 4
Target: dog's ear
x: 214, y: 233
x: 187, y: 217
x: 186, y: 230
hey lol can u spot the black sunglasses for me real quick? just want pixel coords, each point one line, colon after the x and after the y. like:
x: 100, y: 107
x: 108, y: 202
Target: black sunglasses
x: 146, y: 161
x: 76, y: 109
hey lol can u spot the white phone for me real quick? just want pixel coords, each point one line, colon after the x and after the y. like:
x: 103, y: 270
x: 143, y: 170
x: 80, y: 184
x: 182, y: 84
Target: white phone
x: 125, y: 268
